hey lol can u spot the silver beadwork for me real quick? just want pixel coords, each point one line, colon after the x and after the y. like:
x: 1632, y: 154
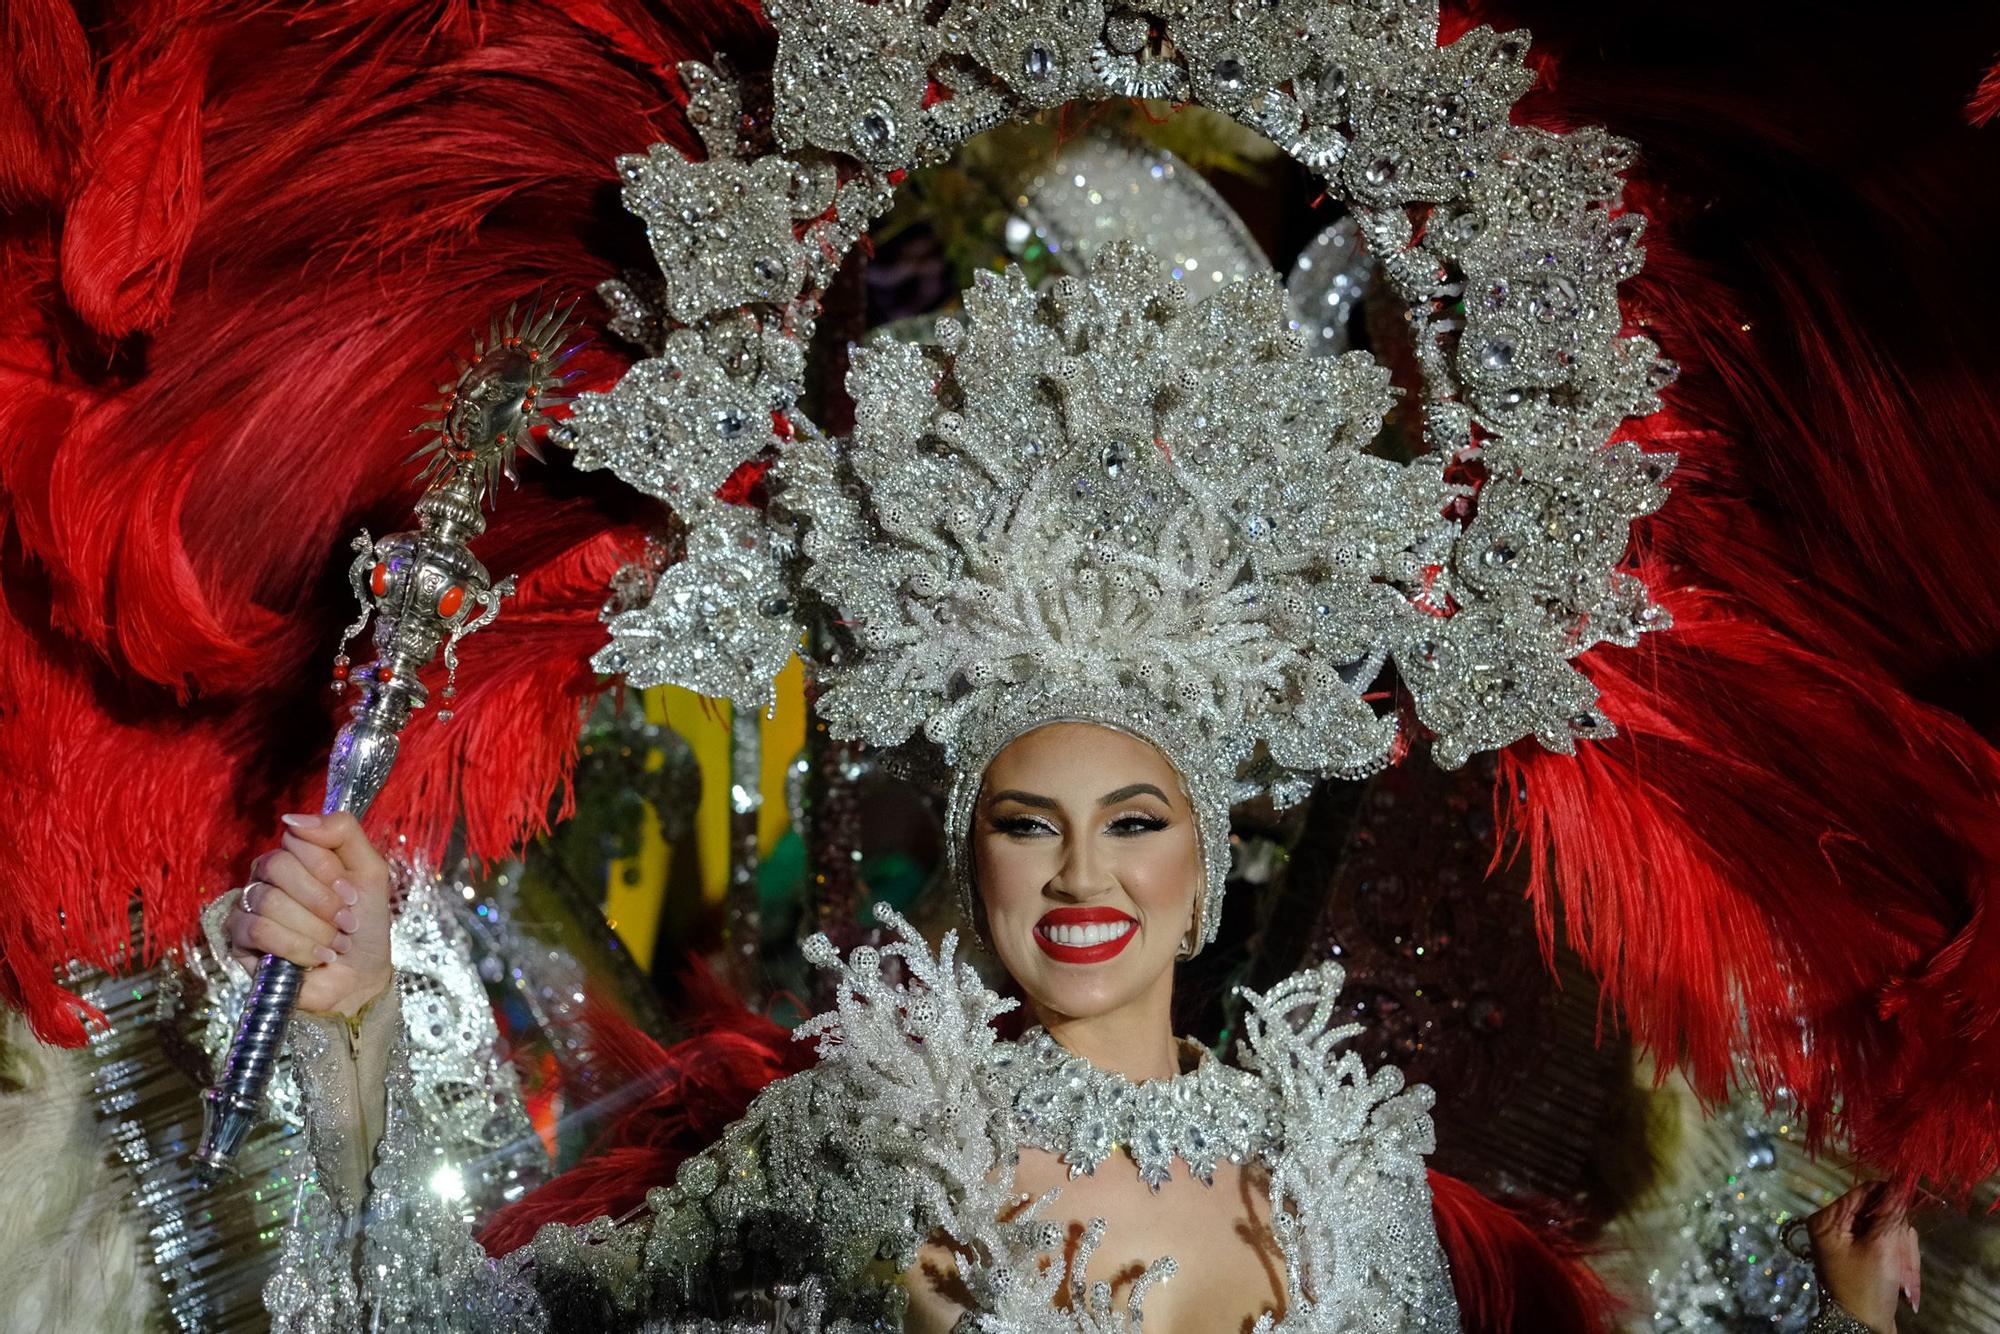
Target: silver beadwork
x: 1112, y: 503
x: 909, y: 1127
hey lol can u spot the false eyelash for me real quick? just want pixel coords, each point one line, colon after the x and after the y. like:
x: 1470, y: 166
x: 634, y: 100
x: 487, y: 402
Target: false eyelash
x: 1019, y: 824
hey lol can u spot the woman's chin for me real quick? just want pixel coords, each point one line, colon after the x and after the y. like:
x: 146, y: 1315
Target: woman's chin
x: 1083, y: 991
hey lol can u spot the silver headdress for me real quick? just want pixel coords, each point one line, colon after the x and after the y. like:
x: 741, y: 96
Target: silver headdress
x: 1108, y: 502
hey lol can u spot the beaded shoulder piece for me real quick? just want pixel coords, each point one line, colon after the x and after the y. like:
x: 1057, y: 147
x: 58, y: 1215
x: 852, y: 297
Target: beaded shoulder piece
x: 908, y: 1129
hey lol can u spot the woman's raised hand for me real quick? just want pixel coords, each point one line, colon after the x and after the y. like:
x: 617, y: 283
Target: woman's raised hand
x: 1866, y: 1252
x: 321, y: 900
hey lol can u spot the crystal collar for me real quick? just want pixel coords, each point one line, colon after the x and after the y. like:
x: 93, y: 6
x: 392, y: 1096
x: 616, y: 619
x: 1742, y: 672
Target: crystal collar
x: 1080, y: 1113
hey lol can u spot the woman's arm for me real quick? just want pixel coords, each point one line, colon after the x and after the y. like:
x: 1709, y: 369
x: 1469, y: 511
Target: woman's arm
x: 376, y: 1245
x: 321, y: 900
x: 374, y: 1242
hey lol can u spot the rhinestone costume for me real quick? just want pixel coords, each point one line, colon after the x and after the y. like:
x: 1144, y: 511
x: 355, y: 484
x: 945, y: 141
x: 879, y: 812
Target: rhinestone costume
x: 908, y: 1127
x: 1108, y: 502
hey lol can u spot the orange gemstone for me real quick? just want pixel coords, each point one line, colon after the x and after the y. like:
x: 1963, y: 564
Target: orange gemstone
x: 378, y: 581
x: 453, y: 599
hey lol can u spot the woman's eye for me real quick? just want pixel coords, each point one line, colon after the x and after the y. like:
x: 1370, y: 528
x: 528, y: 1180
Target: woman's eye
x: 1137, y: 824
x: 1020, y: 825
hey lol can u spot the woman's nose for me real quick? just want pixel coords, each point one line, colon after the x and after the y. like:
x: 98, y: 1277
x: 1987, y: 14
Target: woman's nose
x: 1082, y: 874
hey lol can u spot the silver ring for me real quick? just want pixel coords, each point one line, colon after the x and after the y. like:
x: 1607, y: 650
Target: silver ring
x: 1796, y: 1239
x: 244, y: 902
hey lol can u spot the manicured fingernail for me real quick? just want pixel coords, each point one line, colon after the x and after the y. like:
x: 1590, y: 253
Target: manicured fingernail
x: 348, y: 893
x: 344, y: 919
x: 301, y: 821
x: 341, y: 942
x: 324, y: 955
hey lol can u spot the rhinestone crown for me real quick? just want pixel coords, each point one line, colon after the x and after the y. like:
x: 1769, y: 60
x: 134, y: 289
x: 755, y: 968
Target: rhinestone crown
x: 1104, y: 501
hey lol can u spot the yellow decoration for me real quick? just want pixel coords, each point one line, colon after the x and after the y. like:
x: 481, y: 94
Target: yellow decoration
x: 637, y: 885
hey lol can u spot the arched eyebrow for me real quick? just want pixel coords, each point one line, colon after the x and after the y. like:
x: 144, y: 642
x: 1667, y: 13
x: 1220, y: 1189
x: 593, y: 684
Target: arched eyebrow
x: 1025, y: 798
x: 1127, y: 793
x: 1041, y: 802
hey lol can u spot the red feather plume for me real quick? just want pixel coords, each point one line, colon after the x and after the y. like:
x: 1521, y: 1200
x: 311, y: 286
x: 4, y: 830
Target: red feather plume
x: 1510, y: 1275
x: 47, y: 99
x: 129, y: 224
x: 1985, y: 104
x: 212, y: 345
x: 1788, y: 854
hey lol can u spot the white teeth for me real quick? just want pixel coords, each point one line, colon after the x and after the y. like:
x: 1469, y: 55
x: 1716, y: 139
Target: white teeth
x: 1094, y: 933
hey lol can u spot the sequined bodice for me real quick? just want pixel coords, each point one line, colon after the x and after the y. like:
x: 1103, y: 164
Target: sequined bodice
x: 908, y: 1130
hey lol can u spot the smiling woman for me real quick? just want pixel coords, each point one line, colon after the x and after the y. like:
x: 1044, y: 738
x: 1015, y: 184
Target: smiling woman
x: 1100, y: 652
x: 1089, y: 874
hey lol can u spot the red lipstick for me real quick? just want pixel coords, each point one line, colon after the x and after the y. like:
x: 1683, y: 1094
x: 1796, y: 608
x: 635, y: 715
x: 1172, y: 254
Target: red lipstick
x: 1075, y: 920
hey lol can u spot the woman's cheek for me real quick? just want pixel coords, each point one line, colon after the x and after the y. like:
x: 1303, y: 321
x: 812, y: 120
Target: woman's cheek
x: 1162, y: 880
x: 1007, y: 873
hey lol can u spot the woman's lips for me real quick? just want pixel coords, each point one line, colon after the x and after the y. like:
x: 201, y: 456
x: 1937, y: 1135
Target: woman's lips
x: 1084, y: 935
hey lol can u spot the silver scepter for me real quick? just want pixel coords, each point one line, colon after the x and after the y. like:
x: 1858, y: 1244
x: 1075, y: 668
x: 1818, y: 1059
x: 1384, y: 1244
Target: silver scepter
x: 425, y: 589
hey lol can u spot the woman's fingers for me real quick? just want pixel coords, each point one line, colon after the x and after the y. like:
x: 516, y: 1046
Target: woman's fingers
x: 340, y: 833
x: 323, y: 865
x: 284, y: 909
x: 1837, y: 1219
x: 260, y: 934
x: 1884, y: 1211
x: 284, y: 870
x: 1913, y: 1269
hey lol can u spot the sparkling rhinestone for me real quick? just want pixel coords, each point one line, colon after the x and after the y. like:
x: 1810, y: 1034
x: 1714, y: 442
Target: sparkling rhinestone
x: 1496, y: 354
x: 1449, y: 113
x: 1125, y: 32
x: 875, y: 133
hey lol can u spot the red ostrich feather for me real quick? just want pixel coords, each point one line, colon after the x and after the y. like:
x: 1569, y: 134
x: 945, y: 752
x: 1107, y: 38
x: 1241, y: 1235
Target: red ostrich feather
x: 237, y: 261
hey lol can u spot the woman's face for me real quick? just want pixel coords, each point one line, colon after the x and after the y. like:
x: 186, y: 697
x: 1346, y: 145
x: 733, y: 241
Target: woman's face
x: 1087, y: 865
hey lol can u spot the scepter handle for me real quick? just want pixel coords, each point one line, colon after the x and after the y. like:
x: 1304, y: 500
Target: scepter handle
x: 234, y: 1105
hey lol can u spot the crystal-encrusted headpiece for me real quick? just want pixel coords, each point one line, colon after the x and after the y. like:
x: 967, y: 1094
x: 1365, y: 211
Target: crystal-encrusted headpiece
x: 1106, y: 502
